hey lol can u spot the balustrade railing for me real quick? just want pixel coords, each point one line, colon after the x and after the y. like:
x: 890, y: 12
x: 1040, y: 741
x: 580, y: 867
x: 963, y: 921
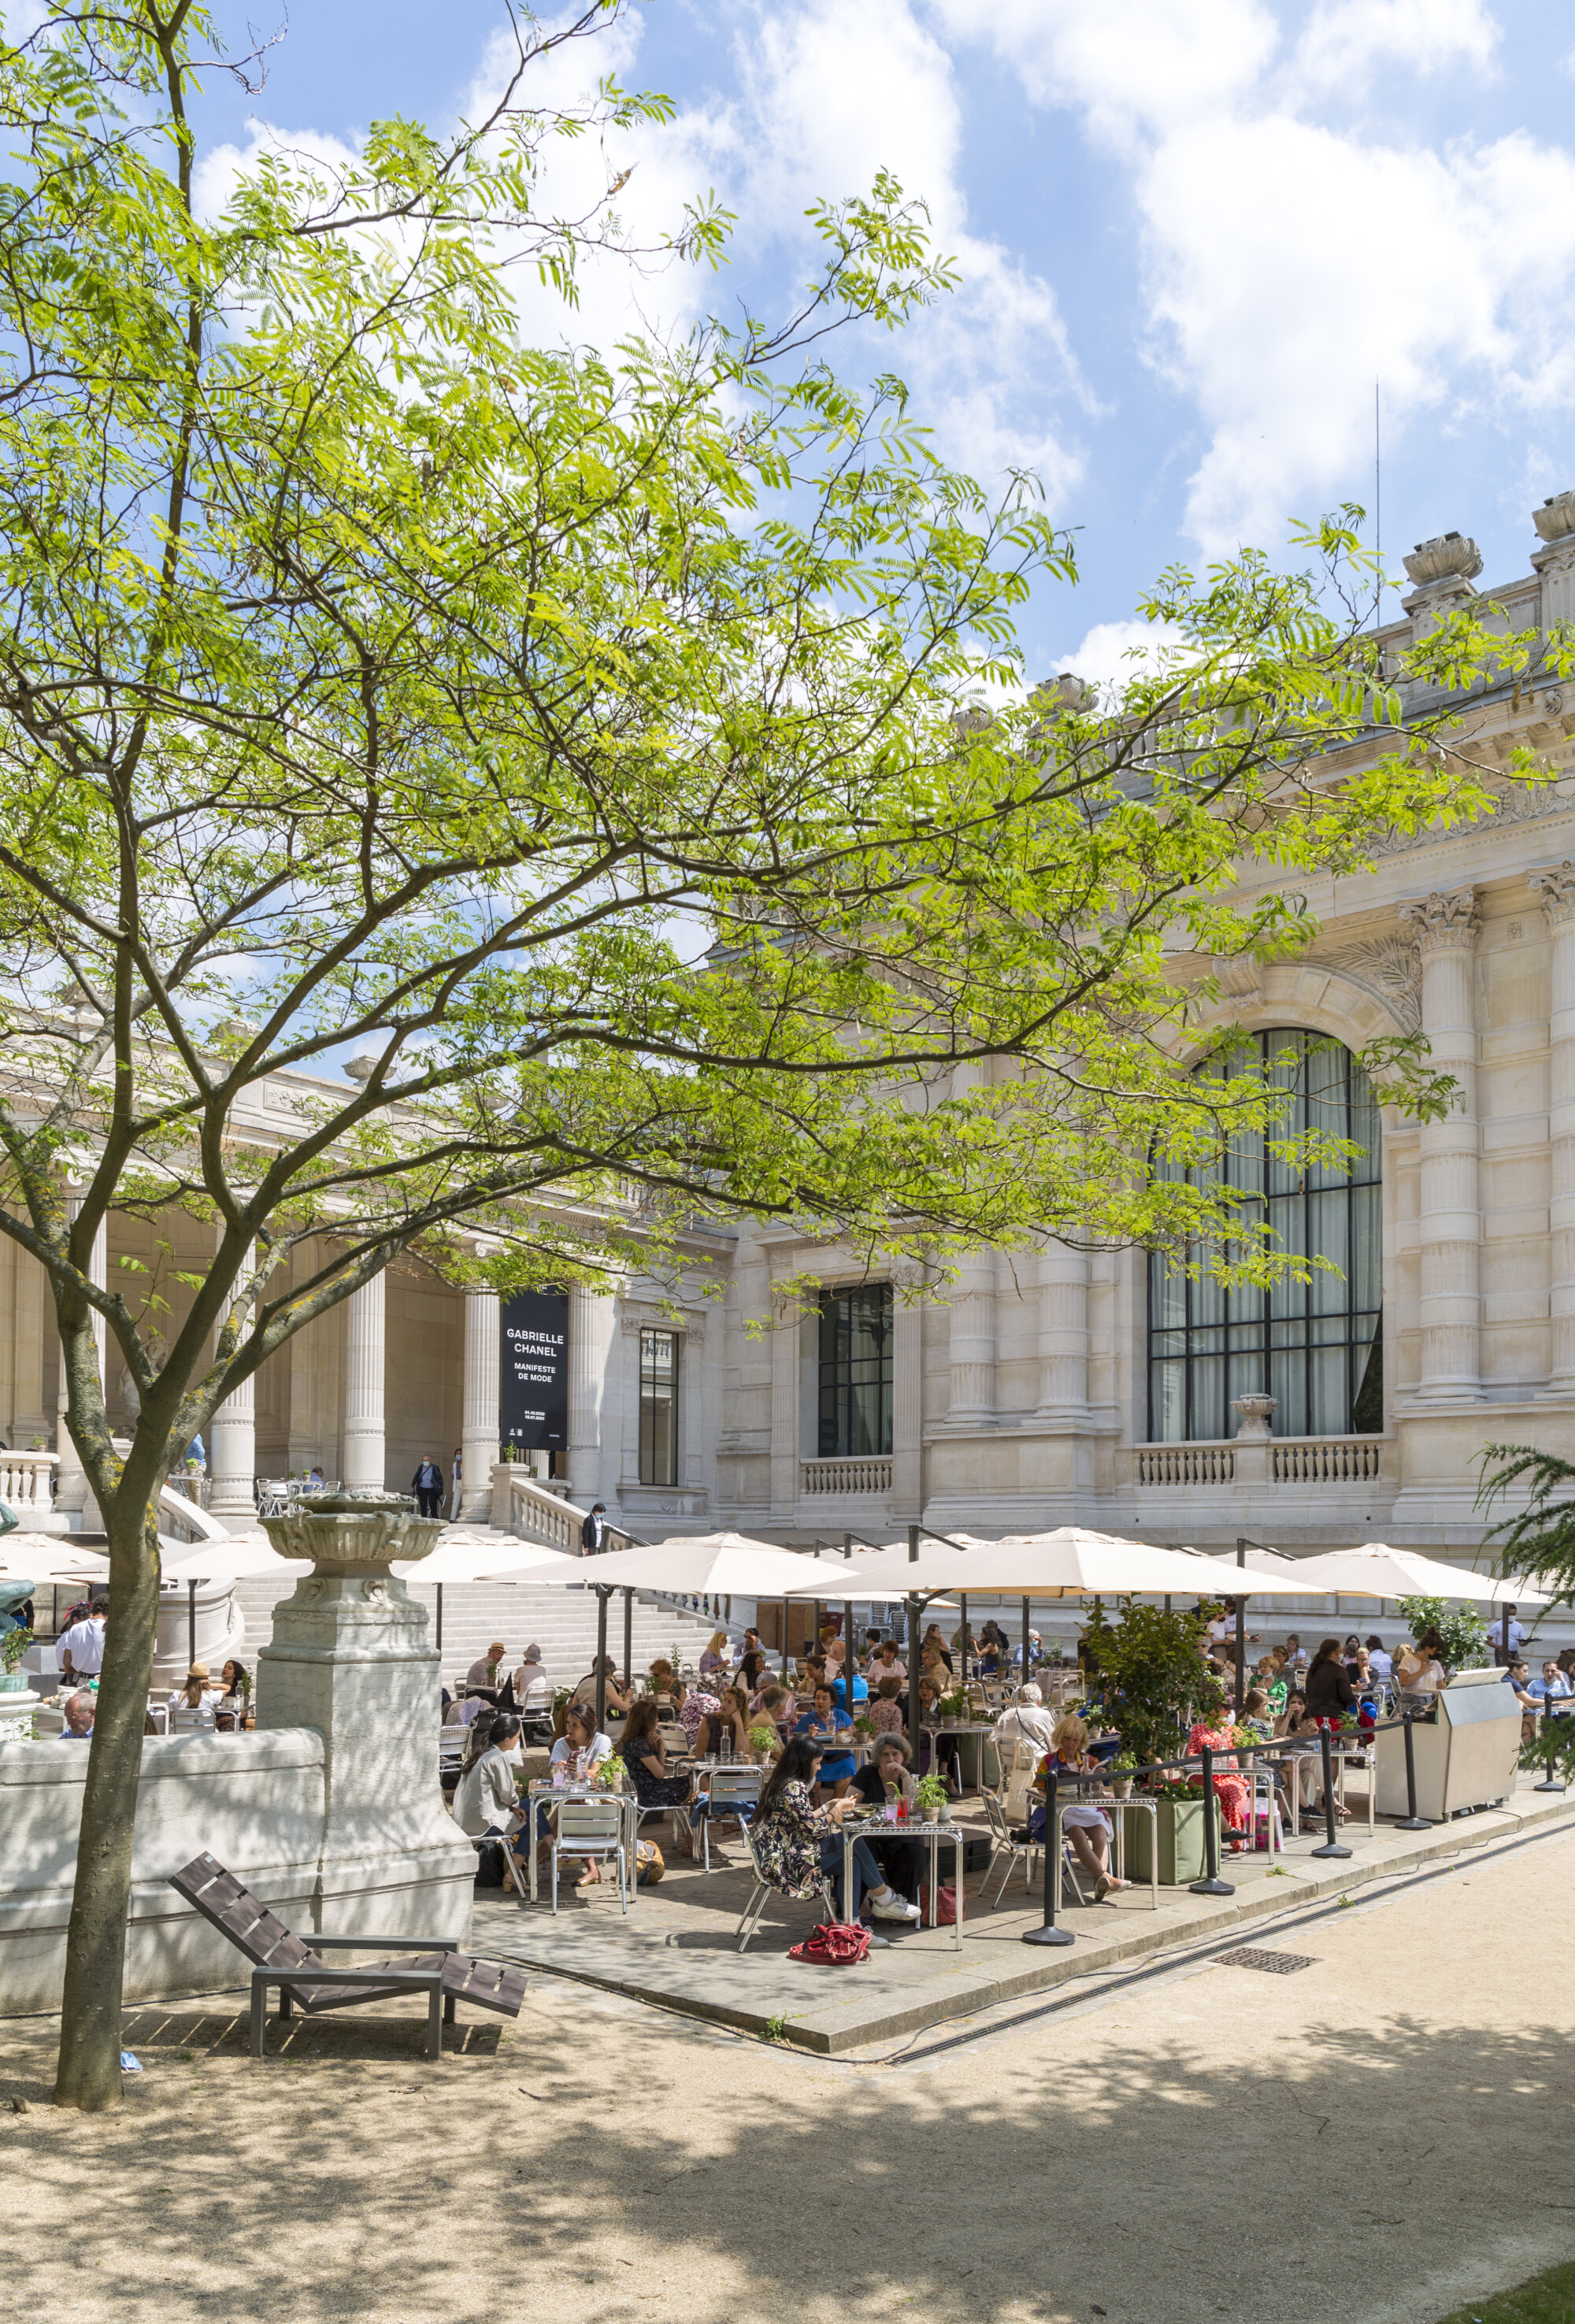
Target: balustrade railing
x: 1255, y: 1460
x: 27, y: 1481
x: 846, y: 1480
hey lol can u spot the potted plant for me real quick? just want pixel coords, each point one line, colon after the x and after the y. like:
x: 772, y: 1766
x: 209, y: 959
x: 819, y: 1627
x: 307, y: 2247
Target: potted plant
x: 933, y: 1800
x: 764, y: 1741
x: 13, y: 1647
x: 1154, y: 1681
x: 1121, y: 1770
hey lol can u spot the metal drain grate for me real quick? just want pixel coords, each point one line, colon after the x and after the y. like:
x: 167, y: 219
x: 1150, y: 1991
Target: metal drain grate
x: 1257, y: 1957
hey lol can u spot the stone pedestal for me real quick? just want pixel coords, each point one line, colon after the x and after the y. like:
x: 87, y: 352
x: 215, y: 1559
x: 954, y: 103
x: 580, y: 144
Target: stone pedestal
x: 351, y: 1656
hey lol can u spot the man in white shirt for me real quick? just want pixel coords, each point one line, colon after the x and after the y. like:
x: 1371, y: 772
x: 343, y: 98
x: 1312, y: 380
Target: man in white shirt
x: 1380, y: 1661
x: 81, y: 1650
x: 1027, y: 1717
x: 1497, y: 1631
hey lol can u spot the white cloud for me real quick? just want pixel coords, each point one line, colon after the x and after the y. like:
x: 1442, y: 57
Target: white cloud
x: 1292, y: 258
x: 1346, y: 38
x: 1113, y: 653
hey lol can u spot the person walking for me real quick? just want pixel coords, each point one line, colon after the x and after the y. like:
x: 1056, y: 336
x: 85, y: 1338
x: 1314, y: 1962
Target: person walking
x: 593, y: 1531
x: 427, y: 1485
x: 456, y: 1484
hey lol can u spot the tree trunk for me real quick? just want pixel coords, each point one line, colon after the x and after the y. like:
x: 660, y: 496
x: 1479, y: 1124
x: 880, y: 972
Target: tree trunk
x: 88, y: 2074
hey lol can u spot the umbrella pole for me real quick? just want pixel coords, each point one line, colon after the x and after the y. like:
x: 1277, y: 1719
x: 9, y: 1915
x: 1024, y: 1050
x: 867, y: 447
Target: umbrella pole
x: 602, y: 1595
x: 786, y: 1603
x: 848, y: 1658
x: 1240, y: 1633
x: 1049, y: 1934
x: 963, y: 1601
x: 190, y: 1623
x: 440, y: 1619
x: 1024, y: 1642
x: 628, y: 1639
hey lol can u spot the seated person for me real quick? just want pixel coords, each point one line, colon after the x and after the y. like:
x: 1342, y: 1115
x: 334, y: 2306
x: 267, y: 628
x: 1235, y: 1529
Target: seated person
x: 797, y: 1844
x: 824, y: 1721
x: 935, y: 1749
x: 644, y: 1754
x: 579, y: 1751
x: 665, y: 1684
x: 724, y: 1726
x: 530, y: 1686
x: 1027, y: 1717
x: 886, y: 1662
x: 1086, y: 1826
x: 485, y: 1676
x: 886, y: 1778
x: 1552, y: 1688
x: 192, y: 1706
x: 487, y: 1794
x: 887, y: 1715
x: 613, y: 1695
x: 776, y: 1708
x: 78, y: 1726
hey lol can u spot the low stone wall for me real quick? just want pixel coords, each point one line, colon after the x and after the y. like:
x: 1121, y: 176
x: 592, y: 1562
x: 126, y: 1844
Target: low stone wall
x: 255, y: 1801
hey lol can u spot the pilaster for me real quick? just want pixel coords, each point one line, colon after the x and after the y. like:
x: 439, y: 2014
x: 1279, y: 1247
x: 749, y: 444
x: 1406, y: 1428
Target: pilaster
x: 480, y: 1448
x: 1450, y: 1151
x: 1064, y: 1344
x: 1556, y: 888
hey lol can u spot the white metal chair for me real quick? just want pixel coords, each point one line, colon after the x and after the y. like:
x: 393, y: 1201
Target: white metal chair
x: 590, y: 1829
x: 763, y: 1890
x: 1008, y: 1848
x: 732, y: 1789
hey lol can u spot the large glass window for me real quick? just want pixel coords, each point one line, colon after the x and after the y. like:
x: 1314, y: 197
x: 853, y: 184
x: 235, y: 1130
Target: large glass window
x: 855, y: 1371
x: 660, y: 1353
x: 1317, y: 1347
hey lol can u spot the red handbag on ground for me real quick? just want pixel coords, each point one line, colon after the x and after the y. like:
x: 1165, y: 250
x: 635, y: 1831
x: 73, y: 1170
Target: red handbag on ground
x: 833, y: 1944
x: 946, y: 1910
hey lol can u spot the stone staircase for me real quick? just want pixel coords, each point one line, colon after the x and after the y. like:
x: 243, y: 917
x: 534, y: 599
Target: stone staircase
x: 561, y: 1622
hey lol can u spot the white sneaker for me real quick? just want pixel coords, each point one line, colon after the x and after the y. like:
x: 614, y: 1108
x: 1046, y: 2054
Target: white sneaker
x: 895, y: 1908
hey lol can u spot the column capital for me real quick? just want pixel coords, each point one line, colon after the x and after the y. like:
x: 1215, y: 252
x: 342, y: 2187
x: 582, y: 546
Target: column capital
x: 1445, y: 922
x: 1556, y: 888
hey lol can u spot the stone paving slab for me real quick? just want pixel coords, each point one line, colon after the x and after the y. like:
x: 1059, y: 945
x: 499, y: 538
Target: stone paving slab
x: 677, y: 1947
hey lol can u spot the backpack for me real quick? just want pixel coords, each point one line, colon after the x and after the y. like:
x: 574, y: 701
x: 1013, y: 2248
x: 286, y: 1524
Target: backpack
x: 833, y: 1944
x: 489, y: 1864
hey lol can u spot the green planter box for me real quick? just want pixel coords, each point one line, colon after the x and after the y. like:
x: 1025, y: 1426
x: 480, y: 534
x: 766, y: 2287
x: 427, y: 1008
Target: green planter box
x: 1177, y: 1832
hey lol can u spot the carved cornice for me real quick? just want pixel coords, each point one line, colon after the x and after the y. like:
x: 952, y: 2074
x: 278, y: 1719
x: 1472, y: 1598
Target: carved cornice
x: 1556, y: 887
x: 1518, y: 803
x: 1445, y: 922
x: 1386, y: 967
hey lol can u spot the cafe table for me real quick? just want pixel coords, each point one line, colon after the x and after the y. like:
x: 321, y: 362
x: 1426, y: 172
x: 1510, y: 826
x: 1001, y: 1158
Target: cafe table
x: 880, y: 1827
x: 542, y: 1787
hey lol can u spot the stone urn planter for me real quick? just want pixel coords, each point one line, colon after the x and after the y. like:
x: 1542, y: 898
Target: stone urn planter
x: 350, y: 1533
x: 1447, y: 557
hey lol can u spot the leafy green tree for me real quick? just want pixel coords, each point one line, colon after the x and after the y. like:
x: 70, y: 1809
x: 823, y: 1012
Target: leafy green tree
x: 1464, y: 1634
x: 591, y: 744
x: 1538, y: 1538
x: 1155, y: 1678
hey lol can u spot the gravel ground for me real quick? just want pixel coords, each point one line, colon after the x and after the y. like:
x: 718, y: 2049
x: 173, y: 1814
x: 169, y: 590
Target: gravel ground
x: 1381, y: 2136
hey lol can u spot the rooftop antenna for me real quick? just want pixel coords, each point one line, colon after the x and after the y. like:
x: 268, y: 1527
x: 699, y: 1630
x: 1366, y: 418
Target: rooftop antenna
x: 1377, y: 513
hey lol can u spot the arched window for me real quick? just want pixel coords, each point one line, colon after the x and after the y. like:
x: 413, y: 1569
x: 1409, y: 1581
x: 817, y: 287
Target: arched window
x: 1318, y: 1346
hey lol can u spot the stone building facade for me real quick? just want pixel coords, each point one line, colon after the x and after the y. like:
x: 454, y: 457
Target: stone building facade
x: 1028, y: 1395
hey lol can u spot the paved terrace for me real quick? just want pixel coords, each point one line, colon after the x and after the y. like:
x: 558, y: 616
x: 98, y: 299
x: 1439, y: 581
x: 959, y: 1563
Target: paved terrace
x: 678, y: 1947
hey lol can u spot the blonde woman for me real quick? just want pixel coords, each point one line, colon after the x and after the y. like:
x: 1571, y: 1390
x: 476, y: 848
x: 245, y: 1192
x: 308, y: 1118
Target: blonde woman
x: 1087, y: 1828
x: 715, y: 1657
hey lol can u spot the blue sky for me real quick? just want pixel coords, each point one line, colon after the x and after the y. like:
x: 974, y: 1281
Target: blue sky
x: 1192, y: 234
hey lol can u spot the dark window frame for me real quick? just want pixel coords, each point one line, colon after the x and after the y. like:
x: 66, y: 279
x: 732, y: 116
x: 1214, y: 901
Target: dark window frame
x: 1220, y: 1344
x: 853, y: 1375
x: 660, y: 1388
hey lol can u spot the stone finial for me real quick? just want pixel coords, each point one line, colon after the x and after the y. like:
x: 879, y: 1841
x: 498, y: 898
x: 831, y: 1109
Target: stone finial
x: 1067, y: 692
x: 1555, y: 519
x: 1253, y: 1415
x: 1448, y: 556
x: 1444, y: 920
x: 1556, y: 888
x: 362, y: 1065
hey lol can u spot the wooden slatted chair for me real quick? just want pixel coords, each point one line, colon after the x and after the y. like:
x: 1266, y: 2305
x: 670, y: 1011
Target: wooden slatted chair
x: 281, y: 1959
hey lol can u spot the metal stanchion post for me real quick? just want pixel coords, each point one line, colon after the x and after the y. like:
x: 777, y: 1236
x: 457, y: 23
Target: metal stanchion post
x: 1330, y: 1846
x: 1049, y: 1934
x: 1410, y: 1821
x: 1549, y: 1783
x: 1211, y: 1884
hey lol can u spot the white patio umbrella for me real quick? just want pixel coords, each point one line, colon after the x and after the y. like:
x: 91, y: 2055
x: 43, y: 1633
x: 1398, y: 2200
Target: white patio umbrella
x: 44, y: 1558
x: 1376, y: 1570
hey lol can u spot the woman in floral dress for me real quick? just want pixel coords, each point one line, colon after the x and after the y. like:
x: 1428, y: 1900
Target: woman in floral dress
x: 798, y: 1845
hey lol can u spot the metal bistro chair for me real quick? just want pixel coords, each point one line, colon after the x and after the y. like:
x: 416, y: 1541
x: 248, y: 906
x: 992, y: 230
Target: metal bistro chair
x: 590, y: 1828
x: 764, y: 1889
x: 1010, y: 1845
x: 733, y: 1789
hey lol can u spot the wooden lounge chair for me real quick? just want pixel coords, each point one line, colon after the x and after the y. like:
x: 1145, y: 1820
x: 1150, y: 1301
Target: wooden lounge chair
x: 443, y: 1973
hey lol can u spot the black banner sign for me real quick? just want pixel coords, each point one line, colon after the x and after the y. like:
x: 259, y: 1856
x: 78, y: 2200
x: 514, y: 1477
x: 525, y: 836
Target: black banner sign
x: 533, y: 1372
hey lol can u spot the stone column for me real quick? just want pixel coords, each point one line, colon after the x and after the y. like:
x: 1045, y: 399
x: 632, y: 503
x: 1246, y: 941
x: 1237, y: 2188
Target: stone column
x: 365, y: 1312
x: 972, y: 1344
x: 1450, y: 1220
x: 72, y: 1494
x: 351, y: 1656
x: 786, y: 1449
x: 479, y: 1443
x: 593, y: 1320
x: 907, y: 1408
x: 233, y: 1446
x: 1557, y: 889
x: 1063, y: 1276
